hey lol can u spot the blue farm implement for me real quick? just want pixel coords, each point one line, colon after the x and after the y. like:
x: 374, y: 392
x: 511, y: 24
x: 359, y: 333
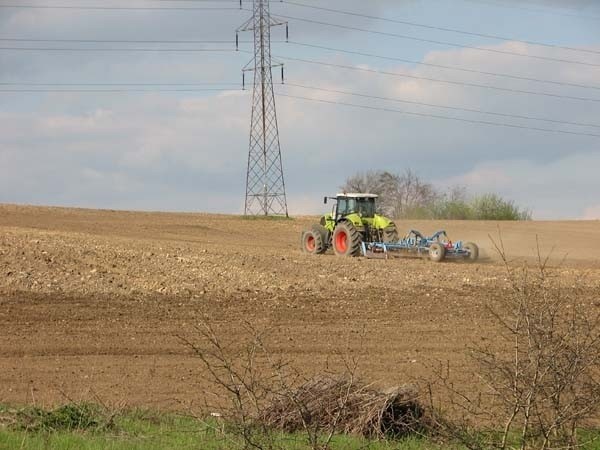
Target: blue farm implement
x: 437, y: 248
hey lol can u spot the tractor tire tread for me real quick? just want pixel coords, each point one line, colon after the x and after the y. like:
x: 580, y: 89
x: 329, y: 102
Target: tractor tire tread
x: 321, y: 235
x: 354, y: 238
x: 390, y: 234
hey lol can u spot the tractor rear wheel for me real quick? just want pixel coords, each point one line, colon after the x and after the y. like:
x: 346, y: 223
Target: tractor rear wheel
x: 321, y: 238
x: 437, y: 252
x: 346, y: 240
x: 473, y: 250
x: 390, y: 234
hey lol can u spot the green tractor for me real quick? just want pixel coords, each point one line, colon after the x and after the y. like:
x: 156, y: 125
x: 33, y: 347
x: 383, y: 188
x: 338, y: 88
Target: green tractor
x: 352, y: 221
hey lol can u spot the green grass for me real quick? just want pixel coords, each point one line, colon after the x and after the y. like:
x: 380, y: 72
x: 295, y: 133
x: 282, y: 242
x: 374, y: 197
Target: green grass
x: 89, y: 427
x: 85, y: 427
x: 181, y: 440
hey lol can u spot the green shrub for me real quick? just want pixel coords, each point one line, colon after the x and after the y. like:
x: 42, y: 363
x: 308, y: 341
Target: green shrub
x: 452, y: 210
x: 494, y: 207
x: 71, y: 417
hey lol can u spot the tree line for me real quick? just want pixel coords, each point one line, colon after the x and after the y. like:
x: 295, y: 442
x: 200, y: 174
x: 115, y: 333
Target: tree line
x: 407, y: 196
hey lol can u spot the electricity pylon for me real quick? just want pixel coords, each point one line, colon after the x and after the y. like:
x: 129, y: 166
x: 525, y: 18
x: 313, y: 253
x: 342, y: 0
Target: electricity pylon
x: 265, y: 185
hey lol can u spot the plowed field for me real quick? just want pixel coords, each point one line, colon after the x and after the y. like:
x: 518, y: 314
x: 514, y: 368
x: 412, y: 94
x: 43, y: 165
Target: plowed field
x: 92, y: 303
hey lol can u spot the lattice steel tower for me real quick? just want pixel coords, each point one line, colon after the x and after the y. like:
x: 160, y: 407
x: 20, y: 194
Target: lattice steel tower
x: 265, y: 185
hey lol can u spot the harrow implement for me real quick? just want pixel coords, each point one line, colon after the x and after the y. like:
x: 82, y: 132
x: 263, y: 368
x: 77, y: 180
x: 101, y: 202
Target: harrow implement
x: 437, y: 248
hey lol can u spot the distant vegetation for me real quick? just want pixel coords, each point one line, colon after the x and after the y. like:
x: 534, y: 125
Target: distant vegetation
x: 406, y: 196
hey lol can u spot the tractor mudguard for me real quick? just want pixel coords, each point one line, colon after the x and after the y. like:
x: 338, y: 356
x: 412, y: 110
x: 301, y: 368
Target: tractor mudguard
x: 381, y: 222
x: 328, y: 222
x: 355, y: 220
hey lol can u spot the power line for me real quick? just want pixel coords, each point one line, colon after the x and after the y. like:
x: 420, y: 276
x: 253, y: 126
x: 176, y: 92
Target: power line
x: 439, y: 28
x: 434, y: 41
x: 438, y: 80
x: 535, y: 10
x: 440, y: 66
x: 189, y: 85
x: 116, y: 90
x: 121, y: 41
x: 436, y: 116
x: 74, y: 49
x: 203, y: 1
x: 123, y: 8
x: 10, y: 83
x: 303, y: 44
x: 453, y: 108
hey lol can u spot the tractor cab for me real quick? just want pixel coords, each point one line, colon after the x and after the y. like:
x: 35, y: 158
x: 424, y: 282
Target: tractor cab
x: 347, y: 204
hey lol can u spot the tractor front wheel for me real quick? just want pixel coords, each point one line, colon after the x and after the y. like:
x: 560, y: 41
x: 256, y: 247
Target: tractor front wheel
x: 313, y: 242
x: 346, y: 240
x: 321, y: 238
x: 308, y: 242
x: 437, y: 252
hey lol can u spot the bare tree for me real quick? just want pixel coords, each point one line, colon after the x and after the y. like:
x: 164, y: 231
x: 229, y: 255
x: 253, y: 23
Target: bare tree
x: 544, y: 386
x: 365, y: 182
x: 400, y: 194
x: 255, y: 384
x: 238, y: 376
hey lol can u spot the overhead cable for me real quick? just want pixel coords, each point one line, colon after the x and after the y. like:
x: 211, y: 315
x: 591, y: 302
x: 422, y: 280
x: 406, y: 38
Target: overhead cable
x: 439, y: 80
x: 441, y: 66
x: 439, y: 28
x: 122, y: 8
x: 447, y: 43
x: 436, y: 116
x: 433, y: 105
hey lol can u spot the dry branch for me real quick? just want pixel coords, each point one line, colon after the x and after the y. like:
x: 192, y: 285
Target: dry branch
x: 348, y: 406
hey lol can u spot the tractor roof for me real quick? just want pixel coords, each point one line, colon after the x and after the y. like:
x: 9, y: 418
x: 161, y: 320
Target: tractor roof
x: 357, y: 195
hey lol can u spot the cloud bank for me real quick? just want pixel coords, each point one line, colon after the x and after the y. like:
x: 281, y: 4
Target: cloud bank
x: 187, y: 150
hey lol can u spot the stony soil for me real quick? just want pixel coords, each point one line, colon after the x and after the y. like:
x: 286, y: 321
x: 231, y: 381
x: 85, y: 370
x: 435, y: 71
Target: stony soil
x: 93, y: 303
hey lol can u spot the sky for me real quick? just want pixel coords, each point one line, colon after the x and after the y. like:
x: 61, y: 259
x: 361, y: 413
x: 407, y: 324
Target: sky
x: 538, y: 142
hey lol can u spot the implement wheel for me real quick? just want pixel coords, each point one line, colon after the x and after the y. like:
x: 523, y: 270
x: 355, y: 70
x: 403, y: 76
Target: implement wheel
x: 346, y: 240
x: 473, y: 250
x: 390, y: 234
x: 437, y: 252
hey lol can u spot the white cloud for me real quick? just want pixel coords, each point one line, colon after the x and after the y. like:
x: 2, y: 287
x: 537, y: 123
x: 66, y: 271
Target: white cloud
x: 159, y: 151
x: 563, y: 188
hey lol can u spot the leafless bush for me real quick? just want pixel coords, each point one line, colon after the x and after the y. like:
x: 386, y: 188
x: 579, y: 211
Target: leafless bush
x: 242, y: 385
x: 269, y: 398
x: 543, y: 385
x: 252, y: 380
x: 349, y: 406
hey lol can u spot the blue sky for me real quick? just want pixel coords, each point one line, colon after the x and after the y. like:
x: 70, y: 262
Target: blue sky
x: 187, y: 150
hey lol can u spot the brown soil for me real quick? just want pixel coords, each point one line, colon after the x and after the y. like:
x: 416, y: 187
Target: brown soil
x: 92, y: 302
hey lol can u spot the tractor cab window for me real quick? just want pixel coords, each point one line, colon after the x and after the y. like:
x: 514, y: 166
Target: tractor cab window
x: 366, y: 207
x: 346, y: 206
x: 363, y: 206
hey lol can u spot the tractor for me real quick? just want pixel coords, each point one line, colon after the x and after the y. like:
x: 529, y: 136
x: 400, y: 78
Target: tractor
x: 353, y: 220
